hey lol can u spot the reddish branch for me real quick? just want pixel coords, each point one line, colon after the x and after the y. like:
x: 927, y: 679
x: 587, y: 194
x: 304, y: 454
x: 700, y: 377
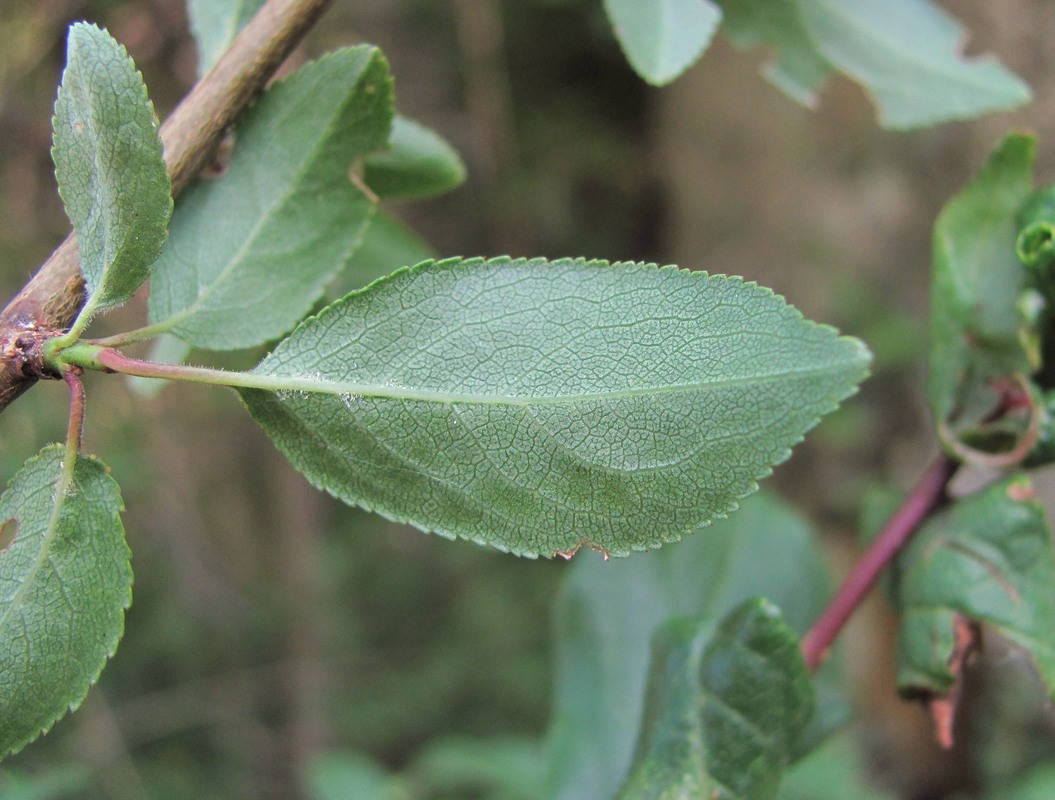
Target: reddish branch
x: 928, y: 492
x: 54, y: 295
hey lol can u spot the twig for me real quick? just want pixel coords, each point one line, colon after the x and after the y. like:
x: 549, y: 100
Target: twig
x: 927, y: 493
x: 50, y: 301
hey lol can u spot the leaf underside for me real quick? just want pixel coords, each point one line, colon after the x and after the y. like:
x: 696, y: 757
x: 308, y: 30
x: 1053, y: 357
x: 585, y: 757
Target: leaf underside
x: 65, y: 582
x: 250, y: 252
x: 663, y: 38
x: 538, y: 406
x: 907, y: 54
x: 109, y: 166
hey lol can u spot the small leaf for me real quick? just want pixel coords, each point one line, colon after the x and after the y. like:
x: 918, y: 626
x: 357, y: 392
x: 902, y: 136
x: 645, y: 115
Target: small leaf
x: 987, y: 559
x: 109, y: 166
x: 418, y: 163
x: 663, y: 38
x: 724, y: 707
x: 64, y: 585
x: 539, y: 406
x: 607, y: 612
x: 250, y: 252
x: 906, y: 53
x: 977, y: 280
x: 215, y: 23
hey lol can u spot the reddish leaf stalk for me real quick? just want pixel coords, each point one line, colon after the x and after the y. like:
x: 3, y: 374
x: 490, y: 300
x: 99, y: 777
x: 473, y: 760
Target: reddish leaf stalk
x: 52, y: 298
x: 928, y: 492
x: 76, y: 424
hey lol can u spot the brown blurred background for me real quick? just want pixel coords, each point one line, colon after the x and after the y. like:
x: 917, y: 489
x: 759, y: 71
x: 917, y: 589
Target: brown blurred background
x: 270, y: 621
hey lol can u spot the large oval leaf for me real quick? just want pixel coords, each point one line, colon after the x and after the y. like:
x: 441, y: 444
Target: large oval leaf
x: 65, y: 582
x: 540, y: 406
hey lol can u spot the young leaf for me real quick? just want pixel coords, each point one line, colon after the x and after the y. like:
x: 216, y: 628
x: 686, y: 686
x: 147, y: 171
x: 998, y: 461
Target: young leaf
x: 539, y: 406
x: 724, y: 707
x: 418, y: 163
x: 250, y: 252
x: 215, y: 23
x: 987, y: 559
x: 109, y: 167
x: 65, y: 582
x: 663, y: 38
x: 977, y: 280
x: 607, y: 612
x: 906, y: 53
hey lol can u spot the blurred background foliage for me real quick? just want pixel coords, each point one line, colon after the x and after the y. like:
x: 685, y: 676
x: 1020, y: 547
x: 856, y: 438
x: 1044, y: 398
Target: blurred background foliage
x: 271, y: 624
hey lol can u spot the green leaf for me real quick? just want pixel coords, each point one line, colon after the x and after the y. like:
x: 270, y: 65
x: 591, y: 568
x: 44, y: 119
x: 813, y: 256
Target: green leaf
x: 724, y: 708
x: 109, y: 167
x: 835, y: 771
x: 538, y: 407
x: 663, y: 38
x: 987, y: 559
x: 977, y: 280
x: 215, y: 23
x: 346, y: 776
x: 65, y: 582
x: 418, y: 163
x: 508, y: 768
x: 906, y: 53
x: 799, y: 68
x: 250, y: 252
x: 387, y: 246
x: 608, y: 610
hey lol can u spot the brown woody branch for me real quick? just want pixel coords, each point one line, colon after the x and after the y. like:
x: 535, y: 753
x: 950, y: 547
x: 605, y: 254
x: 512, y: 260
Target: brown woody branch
x: 51, y: 299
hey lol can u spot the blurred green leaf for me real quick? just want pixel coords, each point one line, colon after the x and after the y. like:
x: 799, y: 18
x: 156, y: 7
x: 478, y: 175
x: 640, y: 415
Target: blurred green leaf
x: 250, y: 252
x: 109, y: 167
x: 387, y: 246
x: 215, y: 23
x: 349, y: 776
x: 904, y: 53
x: 663, y: 38
x: 987, y: 559
x: 499, y: 769
x: 608, y: 610
x: 1038, y: 784
x: 976, y: 282
x: 834, y: 771
x: 539, y: 407
x: 54, y: 784
x: 907, y: 55
x: 724, y: 707
x: 65, y: 582
x: 418, y: 163
x: 799, y: 68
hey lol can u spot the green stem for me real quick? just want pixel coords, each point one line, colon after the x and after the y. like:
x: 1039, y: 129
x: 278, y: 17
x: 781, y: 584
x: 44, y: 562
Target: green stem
x: 134, y: 336
x: 113, y: 361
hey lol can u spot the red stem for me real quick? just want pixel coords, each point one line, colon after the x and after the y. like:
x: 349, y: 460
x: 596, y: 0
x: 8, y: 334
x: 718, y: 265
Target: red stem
x: 76, y: 424
x: 928, y: 492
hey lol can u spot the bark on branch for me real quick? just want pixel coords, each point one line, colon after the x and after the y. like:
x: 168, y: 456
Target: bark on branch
x: 51, y: 299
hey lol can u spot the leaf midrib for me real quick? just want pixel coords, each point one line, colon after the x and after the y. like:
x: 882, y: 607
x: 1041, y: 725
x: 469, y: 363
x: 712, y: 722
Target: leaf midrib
x: 383, y: 391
